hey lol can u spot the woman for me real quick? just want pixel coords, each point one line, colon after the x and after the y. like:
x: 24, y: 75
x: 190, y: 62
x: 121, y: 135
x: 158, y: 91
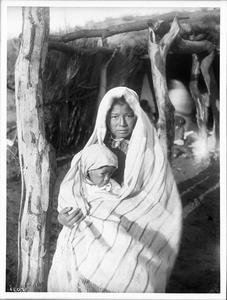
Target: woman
x: 129, y: 242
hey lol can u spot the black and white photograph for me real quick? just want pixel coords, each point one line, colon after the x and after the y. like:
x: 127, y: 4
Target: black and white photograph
x: 113, y: 149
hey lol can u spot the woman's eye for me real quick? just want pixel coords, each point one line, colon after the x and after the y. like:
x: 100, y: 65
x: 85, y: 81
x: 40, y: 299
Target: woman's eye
x: 129, y: 116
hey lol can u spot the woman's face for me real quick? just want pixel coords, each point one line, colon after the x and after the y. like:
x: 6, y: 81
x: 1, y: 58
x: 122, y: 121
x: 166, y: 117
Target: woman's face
x: 121, y: 120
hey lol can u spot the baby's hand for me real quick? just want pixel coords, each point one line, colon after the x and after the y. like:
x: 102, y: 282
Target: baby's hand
x: 69, y: 219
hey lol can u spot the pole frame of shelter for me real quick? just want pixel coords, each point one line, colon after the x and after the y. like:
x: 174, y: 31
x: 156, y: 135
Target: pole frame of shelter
x: 166, y: 37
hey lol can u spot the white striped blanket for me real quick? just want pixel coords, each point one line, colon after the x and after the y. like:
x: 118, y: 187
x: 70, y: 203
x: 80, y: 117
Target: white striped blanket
x: 127, y: 243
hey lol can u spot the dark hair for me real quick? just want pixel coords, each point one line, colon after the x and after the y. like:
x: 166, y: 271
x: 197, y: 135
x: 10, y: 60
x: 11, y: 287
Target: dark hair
x: 116, y: 101
x: 120, y: 101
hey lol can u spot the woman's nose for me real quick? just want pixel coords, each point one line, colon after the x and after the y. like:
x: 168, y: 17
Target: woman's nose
x: 122, y: 121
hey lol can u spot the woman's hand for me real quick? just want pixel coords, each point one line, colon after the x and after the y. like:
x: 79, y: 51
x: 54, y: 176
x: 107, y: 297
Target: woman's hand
x: 69, y: 219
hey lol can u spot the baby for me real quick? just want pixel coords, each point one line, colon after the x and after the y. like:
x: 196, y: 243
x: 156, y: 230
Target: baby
x: 97, y: 165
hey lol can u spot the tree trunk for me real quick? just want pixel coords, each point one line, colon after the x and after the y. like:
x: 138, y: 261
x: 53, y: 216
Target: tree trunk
x: 200, y: 107
x: 209, y: 78
x: 37, y: 158
x: 158, y: 46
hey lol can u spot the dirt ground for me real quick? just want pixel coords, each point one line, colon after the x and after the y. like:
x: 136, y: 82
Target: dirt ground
x: 197, y: 269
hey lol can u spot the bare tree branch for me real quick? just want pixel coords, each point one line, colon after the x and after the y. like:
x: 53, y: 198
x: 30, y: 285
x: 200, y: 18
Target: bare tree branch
x: 189, y: 47
x: 112, y: 30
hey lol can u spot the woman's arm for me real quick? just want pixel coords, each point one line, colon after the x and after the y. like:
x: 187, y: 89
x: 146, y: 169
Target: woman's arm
x: 69, y: 219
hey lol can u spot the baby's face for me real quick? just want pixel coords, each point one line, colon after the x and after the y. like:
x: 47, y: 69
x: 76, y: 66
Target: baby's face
x: 101, y: 176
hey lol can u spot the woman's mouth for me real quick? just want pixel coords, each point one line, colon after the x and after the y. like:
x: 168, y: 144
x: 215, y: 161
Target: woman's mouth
x: 123, y: 131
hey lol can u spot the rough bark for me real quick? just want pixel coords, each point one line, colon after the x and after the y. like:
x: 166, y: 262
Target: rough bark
x: 110, y: 31
x: 212, y: 88
x: 37, y: 159
x: 158, y: 46
x: 200, y: 106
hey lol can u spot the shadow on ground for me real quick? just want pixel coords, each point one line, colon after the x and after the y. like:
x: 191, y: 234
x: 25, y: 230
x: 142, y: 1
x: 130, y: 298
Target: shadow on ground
x: 197, y: 269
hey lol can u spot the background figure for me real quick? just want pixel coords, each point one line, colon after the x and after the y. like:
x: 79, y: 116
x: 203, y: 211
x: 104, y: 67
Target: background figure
x: 179, y: 130
x: 179, y: 141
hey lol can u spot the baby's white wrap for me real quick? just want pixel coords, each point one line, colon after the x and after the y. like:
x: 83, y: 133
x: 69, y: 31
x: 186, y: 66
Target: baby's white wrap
x: 129, y: 242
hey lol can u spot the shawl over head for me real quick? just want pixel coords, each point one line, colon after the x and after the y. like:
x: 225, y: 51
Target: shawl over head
x: 139, y: 230
x: 97, y: 156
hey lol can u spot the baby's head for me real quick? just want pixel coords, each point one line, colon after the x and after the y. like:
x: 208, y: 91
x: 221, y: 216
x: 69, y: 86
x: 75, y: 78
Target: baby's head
x: 98, y: 164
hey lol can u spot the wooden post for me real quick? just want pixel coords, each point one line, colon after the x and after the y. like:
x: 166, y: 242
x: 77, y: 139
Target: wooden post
x: 212, y: 88
x: 200, y: 106
x: 103, y: 79
x: 103, y: 75
x: 161, y: 35
x: 37, y: 158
